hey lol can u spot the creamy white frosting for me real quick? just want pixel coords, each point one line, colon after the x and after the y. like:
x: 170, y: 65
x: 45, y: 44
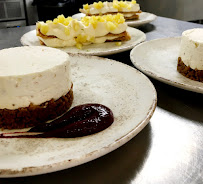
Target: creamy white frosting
x: 55, y: 42
x: 191, y: 48
x: 104, y: 38
x: 100, y: 30
x: 32, y: 75
x: 128, y: 14
x: 64, y: 40
x: 58, y: 30
x: 108, y: 8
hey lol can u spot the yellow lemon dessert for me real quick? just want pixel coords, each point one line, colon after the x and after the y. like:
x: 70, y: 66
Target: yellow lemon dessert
x: 129, y: 9
x: 64, y: 32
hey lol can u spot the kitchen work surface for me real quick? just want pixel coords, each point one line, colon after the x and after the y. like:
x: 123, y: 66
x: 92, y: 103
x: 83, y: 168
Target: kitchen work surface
x: 168, y: 150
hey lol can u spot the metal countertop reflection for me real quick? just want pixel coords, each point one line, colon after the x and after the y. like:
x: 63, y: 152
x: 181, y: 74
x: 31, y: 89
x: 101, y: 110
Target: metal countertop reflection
x: 168, y: 150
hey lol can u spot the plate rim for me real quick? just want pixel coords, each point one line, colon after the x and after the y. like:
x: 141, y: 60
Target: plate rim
x: 134, y: 23
x: 143, y: 22
x: 102, y: 53
x: 45, y: 169
x: 158, y: 77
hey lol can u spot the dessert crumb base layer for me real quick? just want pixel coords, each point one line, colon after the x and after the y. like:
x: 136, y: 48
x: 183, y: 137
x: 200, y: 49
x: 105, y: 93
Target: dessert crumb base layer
x: 188, y: 72
x: 35, y: 114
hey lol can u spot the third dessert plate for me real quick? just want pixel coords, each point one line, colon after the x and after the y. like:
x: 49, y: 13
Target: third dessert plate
x: 144, y: 18
x: 137, y: 36
x: 158, y: 59
x: 95, y: 80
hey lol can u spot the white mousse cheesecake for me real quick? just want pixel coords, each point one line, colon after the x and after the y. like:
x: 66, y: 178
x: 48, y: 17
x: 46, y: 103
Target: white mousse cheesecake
x: 35, y: 85
x: 190, y: 61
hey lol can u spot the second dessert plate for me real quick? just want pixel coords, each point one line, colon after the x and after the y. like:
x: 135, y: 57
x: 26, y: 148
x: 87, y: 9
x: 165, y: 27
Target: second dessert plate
x: 137, y: 36
x: 95, y: 80
x: 144, y: 18
x: 158, y: 59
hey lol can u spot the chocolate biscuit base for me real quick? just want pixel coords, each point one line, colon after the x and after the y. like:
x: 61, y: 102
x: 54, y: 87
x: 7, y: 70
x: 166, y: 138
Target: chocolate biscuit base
x: 35, y: 114
x: 188, y: 72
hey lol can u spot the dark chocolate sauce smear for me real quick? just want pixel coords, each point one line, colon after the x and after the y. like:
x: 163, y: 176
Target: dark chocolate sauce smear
x: 80, y: 121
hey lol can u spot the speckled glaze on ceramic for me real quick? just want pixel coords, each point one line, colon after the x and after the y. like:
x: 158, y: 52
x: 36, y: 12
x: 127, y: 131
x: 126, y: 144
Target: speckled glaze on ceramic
x: 102, y: 49
x: 129, y: 94
x: 159, y: 58
x: 144, y: 18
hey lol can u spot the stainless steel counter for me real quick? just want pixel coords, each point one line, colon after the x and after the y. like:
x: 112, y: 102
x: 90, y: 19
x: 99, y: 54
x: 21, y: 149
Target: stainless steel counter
x: 169, y: 150
x: 178, y: 9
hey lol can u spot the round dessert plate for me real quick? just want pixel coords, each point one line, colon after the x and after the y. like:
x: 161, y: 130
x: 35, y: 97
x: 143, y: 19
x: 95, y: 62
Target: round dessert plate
x: 144, y: 18
x: 137, y: 36
x: 95, y: 80
x: 158, y: 59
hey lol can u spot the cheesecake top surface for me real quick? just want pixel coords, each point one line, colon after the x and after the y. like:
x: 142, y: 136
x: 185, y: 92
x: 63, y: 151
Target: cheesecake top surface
x: 194, y: 34
x: 191, y: 48
x: 28, y: 60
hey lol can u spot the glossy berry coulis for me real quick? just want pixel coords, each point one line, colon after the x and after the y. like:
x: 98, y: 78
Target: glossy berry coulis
x: 80, y: 121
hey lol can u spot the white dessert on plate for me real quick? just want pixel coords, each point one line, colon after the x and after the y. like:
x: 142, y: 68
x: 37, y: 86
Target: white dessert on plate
x: 129, y: 9
x: 190, y: 61
x: 64, y: 32
x: 35, y: 85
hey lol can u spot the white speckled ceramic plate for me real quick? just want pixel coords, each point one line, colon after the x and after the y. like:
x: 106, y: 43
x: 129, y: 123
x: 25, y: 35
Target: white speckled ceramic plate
x: 130, y: 95
x: 102, y: 49
x: 144, y: 18
x: 158, y: 59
